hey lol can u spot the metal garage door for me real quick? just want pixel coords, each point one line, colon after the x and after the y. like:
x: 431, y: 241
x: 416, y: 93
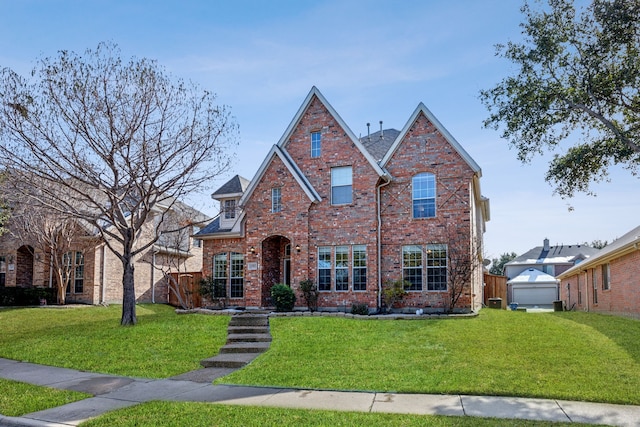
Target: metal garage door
x: 535, y: 295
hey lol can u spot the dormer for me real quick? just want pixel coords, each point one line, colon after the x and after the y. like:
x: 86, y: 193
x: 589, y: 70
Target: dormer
x: 229, y: 195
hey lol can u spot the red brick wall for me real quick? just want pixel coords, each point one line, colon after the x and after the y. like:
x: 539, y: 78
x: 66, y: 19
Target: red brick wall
x: 424, y: 149
x: 622, y: 297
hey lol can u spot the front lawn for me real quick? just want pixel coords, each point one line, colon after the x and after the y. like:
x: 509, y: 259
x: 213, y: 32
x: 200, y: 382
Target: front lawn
x: 205, y: 414
x: 161, y: 345
x: 572, y: 355
x: 17, y: 399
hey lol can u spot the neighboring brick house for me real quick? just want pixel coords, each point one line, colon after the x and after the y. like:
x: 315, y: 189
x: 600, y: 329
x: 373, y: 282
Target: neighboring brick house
x: 608, y: 282
x: 96, y: 275
x: 531, y: 276
x: 351, y: 214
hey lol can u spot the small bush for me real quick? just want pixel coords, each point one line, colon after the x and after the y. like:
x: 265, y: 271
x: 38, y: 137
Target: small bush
x: 393, y: 292
x: 360, y: 308
x: 310, y: 292
x: 283, y: 297
x: 17, y: 296
x: 214, y: 290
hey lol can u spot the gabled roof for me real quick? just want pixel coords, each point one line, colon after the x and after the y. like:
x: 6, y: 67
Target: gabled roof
x: 302, y: 180
x: 235, y: 187
x: 422, y: 109
x: 628, y: 243
x: 559, y: 254
x: 315, y: 93
x: 532, y: 275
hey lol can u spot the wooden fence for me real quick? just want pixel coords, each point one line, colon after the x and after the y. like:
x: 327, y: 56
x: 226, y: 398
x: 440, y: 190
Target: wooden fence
x: 495, y: 287
x: 189, y: 288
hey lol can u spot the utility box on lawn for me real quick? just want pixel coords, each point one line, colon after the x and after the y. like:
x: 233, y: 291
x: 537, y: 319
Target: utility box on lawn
x: 495, y: 302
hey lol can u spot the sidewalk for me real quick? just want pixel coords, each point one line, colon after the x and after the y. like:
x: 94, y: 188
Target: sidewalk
x: 113, y: 392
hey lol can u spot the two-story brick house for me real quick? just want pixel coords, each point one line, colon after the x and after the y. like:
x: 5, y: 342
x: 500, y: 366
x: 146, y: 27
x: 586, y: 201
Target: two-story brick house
x: 351, y: 214
x: 96, y: 272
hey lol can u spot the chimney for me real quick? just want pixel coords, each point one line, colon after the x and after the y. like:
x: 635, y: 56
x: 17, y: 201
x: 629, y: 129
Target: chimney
x: 545, y: 245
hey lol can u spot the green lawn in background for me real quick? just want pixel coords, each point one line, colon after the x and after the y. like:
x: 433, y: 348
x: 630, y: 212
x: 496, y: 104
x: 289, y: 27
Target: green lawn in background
x: 571, y: 355
x: 161, y: 345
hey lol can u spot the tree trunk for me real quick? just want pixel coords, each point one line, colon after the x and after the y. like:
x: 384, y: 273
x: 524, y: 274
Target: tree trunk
x: 61, y: 288
x: 128, y: 289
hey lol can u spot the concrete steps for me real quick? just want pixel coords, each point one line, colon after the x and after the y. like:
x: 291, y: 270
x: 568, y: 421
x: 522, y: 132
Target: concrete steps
x: 247, y: 337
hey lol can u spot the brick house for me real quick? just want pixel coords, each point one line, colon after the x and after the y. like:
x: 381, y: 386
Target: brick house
x: 351, y: 214
x: 608, y: 282
x: 96, y: 273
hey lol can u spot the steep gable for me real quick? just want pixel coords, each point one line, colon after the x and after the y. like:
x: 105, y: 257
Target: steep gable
x: 421, y: 109
x: 312, y: 98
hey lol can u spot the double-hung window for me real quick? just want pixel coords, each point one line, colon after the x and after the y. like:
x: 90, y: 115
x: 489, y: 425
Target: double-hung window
x: 276, y: 199
x: 606, y: 277
x: 412, y: 267
x: 341, y: 185
x: 424, y: 195
x: 324, y: 268
x: 236, y: 279
x: 437, y: 267
x: 359, y: 268
x: 74, y: 271
x: 316, y: 144
x: 220, y: 275
x: 229, y: 209
x: 342, y: 268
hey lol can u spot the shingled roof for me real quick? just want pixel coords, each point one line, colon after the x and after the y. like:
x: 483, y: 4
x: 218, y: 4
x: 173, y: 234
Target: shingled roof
x: 378, y: 143
x: 235, y: 186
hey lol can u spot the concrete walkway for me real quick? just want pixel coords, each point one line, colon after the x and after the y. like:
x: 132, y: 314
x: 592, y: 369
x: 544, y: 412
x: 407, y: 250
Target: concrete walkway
x: 114, y: 392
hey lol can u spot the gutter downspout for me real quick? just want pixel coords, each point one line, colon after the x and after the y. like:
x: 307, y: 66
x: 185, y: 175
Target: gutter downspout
x: 153, y: 277
x: 51, y: 270
x: 380, y: 241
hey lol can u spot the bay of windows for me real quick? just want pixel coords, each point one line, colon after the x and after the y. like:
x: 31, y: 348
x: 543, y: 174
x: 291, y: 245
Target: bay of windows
x: 228, y: 273
x: 425, y: 262
x: 342, y: 266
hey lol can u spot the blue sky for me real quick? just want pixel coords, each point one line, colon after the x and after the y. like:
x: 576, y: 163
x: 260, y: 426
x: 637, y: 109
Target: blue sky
x: 372, y: 60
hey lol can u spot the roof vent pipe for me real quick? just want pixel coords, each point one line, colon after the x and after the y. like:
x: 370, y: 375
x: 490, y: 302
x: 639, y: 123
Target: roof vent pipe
x: 368, y: 132
x: 381, y: 131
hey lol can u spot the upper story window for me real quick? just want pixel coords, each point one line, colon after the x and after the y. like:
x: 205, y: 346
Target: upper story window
x: 196, y: 243
x: 424, y: 195
x: 276, y: 200
x: 341, y: 185
x: 229, y: 209
x: 316, y: 144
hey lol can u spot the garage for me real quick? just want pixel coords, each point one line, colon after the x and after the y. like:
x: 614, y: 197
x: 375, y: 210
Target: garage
x: 533, y: 288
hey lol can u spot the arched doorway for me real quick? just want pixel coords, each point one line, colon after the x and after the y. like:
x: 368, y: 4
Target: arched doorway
x: 276, y: 265
x: 24, y: 266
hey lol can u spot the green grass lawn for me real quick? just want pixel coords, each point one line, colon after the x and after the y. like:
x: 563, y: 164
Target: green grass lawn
x: 572, y: 355
x: 163, y: 344
x: 203, y: 414
x: 17, y: 399
x: 576, y: 356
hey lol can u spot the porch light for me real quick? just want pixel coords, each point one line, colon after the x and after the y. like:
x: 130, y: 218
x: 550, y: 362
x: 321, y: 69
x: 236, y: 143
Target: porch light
x: 297, y: 248
x: 252, y: 250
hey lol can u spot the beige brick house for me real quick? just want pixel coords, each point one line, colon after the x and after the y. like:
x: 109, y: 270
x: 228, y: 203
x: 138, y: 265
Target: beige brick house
x: 351, y: 214
x: 96, y: 275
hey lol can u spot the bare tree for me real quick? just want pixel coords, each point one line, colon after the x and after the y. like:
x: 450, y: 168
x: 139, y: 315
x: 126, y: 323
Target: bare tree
x: 120, y: 139
x: 56, y: 237
x: 464, y: 260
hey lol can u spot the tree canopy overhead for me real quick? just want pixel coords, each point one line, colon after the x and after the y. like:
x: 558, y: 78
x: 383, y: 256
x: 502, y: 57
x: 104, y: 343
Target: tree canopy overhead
x: 578, y: 76
x: 122, y: 141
